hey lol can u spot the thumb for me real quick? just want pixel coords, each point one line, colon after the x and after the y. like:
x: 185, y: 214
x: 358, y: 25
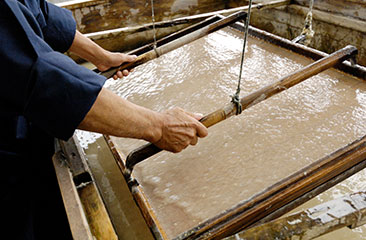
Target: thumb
x: 198, y: 116
x: 129, y: 58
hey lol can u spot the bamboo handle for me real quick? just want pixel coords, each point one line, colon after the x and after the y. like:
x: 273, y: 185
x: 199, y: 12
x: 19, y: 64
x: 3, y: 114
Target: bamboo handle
x: 148, y: 150
x: 129, y: 65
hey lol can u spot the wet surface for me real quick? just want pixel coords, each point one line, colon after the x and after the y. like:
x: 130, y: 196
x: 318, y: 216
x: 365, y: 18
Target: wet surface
x: 244, y: 155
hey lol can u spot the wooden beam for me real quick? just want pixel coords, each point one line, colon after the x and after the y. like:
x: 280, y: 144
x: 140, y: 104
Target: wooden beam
x: 351, y: 8
x: 97, y: 216
x: 348, y: 211
x: 80, y: 194
x: 338, y: 20
x: 256, y: 7
x: 78, y: 223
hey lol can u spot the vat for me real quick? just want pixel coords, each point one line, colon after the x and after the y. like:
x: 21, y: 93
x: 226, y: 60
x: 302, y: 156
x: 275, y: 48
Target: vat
x: 272, y: 148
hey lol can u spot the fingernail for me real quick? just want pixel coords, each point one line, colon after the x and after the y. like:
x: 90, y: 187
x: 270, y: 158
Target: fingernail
x: 199, y: 115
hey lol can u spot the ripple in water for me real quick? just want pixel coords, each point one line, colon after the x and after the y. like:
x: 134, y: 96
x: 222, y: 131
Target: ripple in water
x: 246, y: 154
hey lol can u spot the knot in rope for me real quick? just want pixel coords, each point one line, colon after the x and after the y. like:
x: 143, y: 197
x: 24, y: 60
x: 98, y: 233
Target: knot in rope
x: 236, y: 101
x: 308, y: 31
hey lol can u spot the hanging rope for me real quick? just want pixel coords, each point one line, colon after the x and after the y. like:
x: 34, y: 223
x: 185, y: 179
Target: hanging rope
x: 235, y: 98
x: 307, y: 33
x: 154, y: 31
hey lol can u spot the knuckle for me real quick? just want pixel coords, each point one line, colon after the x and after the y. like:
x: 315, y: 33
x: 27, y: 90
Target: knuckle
x: 176, y: 149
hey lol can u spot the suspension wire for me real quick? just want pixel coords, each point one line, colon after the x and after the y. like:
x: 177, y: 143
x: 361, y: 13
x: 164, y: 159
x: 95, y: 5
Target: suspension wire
x: 311, y: 5
x: 154, y: 30
x: 235, y: 98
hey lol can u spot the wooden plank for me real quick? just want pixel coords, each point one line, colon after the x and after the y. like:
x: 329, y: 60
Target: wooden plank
x: 78, y: 223
x: 342, y: 21
x: 350, y: 8
x: 311, y: 194
x: 94, y: 16
x: 332, y: 31
x: 124, y: 213
x: 85, y: 191
x: 97, y: 216
x: 348, y: 211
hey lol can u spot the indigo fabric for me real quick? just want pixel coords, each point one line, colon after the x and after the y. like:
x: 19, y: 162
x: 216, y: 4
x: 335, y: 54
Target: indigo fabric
x: 43, y: 95
x: 47, y: 87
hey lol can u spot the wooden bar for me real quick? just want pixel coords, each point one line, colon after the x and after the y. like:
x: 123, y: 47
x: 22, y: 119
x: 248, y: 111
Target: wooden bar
x: 96, y: 213
x: 348, y: 211
x: 139, y: 197
x: 311, y: 194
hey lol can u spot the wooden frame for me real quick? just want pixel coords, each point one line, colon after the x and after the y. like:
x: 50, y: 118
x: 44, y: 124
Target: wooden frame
x: 282, y: 196
x: 348, y: 211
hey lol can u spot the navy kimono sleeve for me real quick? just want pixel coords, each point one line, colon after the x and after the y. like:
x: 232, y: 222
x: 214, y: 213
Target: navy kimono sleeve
x: 62, y: 95
x: 60, y: 28
x: 47, y: 87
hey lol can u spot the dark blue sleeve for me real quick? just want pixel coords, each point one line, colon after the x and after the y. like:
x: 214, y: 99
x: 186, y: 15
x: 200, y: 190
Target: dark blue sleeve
x: 62, y: 94
x: 45, y: 86
x: 60, y: 28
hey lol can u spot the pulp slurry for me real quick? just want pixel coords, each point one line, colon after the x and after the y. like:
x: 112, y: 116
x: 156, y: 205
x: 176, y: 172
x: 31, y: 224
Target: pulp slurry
x: 244, y: 155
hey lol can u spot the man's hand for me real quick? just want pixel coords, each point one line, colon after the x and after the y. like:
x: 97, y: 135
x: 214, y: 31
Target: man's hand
x: 112, y: 59
x: 172, y: 130
x: 179, y: 130
x: 101, y: 58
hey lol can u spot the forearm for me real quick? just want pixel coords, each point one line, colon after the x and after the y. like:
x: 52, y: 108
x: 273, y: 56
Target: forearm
x: 101, y: 58
x: 87, y: 49
x: 116, y: 116
x: 172, y: 130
